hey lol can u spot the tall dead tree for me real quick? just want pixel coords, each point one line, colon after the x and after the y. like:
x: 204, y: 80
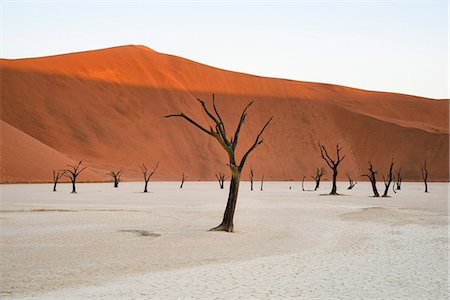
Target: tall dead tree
x: 183, y: 179
x: 424, y: 171
x: 221, y: 179
x: 332, y: 163
x: 262, y: 182
x: 398, y: 179
x: 218, y: 131
x: 387, y: 180
x: 115, y: 176
x: 147, y: 175
x: 351, y: 183
x: 73, y: 172
x: 57, y: 174
x: 318, y: 177
x: 373, y: 180
x: 251, y: 179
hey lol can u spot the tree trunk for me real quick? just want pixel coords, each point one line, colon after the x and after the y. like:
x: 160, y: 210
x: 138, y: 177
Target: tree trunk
x: 334, y: 188
x: 145, y: 188
x: 54, y: 186
x: 116, y: 183
x: 374, y: 188
x: 317, y: 184
x: 73, y: 187
x: 251, y: 185
x: 227, y: 222
x: 426, y: 187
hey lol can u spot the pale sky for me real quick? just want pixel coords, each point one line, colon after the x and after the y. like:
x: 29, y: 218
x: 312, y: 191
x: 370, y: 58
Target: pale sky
x: 394, y: 46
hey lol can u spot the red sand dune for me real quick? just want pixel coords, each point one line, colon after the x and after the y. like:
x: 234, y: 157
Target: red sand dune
x: 107, y: 106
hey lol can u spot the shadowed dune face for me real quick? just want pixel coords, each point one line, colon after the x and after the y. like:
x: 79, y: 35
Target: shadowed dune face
x: 107, y: 106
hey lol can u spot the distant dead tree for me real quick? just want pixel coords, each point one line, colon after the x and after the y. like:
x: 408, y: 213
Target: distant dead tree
x: 398, y: 179
x: 351, y: 183
x: 115, y: 175
x: 318, y: 177
x: 332, y: 163
x: 183, y: 179
x: 57, y: 174
x: 218, y: 131
x: 387, y: 180
x: 147, y: 175
x: 221, y: 179
x: 373, y: 180
x: 262, y: 182
x: 251, y: 179
x: 73, y: 172
x: 424, y: 171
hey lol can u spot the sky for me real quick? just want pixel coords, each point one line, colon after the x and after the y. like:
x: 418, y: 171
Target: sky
x: 393, y: 46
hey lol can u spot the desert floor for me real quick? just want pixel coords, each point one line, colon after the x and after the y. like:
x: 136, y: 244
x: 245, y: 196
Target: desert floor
x: 105, y: 243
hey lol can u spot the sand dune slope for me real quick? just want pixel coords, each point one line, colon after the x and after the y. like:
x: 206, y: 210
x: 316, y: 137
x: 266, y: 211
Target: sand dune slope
x: 108, y: 106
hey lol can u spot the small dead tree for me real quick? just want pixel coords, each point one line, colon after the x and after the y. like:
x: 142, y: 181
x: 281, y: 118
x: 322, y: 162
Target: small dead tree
x: 221, y: 179
x: 387, y: 180
x: 57, y: 174
x: 251, y: 179
x: 332, y: 163
x: 147, y: 175
x: 373, y: 180
x: 351, y: 183
x: 398, y: 179
x: 262, y: 182
x: 424, y: 171
x: 115, y: 176
x: 73, y: 172
x: 318, y: 177
x: 218, y: 131
x: 183, y: 179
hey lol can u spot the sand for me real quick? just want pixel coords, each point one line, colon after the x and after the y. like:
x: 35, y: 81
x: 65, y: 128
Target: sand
x: 105, y: 243
x: 107, y: 106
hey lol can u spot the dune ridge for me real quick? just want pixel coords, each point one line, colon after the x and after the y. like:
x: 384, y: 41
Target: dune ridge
x: 107, y: 106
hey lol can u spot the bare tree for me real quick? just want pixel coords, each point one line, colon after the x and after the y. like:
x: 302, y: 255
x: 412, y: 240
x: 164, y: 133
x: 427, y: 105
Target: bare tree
x: 398, y: 179
x: 351, y: 183
x: 57, y: 174
x: 332, y: 163
x: 251, y: 179
x: 221, y: 179
x: 387, y: 180
x: 183, y: 179
x: 218, y: 131
x: 73, y: 172
x: 424, y: 171
x: 262, y: 182
x: 318, y: 177
x: 115, y: 175
x: 147, y: 175
x: 373, y: 180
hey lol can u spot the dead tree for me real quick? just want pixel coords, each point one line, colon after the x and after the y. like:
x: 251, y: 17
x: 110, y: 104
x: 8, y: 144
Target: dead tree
x: 183, y: 179
x: 373, y: 180
x: 73, y: 172
x: 318, y: 177
x: 351, y: 183
x: 221, y: 179
x: 424, y: 171
x: 218, y: 131
x: 262, y: 182
x: 56, y: 176
x: 147, y: 175
x: 115, y: 175
x: 387, y: 180
x: 332, y: 163
x: 398, y: 179
x: 251, y: 179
